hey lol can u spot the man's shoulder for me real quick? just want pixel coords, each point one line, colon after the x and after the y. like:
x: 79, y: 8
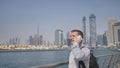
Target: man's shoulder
x: 85, y: 46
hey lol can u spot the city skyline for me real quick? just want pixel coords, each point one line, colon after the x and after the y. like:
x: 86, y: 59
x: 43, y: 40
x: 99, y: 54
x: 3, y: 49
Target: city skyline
x: 20, y: 18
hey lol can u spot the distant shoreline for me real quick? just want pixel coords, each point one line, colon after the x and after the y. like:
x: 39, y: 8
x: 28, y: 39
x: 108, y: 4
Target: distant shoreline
x: 28, y: 50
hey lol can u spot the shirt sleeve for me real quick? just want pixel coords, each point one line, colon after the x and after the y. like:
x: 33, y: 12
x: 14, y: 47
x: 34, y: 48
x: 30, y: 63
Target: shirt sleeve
x: 80, y: 54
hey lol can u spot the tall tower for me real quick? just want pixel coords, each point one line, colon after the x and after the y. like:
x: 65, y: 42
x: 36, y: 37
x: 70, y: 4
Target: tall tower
x: 37, y: 37
x: 84, y: 30
x: 92, y: 22
x: 59, y: 37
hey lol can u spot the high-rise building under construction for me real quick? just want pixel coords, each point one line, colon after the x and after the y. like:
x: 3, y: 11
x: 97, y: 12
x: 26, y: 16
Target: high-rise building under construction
x: 84, y: 30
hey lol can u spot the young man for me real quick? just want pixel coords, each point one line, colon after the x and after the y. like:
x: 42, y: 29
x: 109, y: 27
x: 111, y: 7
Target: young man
x: 78, y: 52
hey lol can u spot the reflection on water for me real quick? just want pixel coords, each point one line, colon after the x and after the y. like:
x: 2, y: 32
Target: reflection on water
x: 28, y: 59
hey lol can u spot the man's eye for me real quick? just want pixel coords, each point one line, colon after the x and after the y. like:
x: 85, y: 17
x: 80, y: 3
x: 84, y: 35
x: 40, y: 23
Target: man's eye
x: 73, y: 36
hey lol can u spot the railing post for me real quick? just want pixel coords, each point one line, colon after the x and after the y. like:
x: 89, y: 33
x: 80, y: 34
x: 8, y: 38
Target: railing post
x: 113, y: 61
x: 103, y: 63
x: 118, y: 62
x: 110, y: 61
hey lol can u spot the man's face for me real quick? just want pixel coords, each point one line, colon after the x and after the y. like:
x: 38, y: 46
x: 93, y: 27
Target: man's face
x: 73, y: 35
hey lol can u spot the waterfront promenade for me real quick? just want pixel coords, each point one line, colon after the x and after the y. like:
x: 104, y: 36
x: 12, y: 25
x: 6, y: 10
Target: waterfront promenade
x: 42, y: 47
x: 31, y: 47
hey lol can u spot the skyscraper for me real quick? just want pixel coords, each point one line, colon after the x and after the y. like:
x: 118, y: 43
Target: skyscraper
x: 92, y: 22
x: 105, y: 40
x: 31, y: 40
x: 84, y: 30
x: 59, y: 37
x: 116, y: 33
x: 41, y: 40
x: 68, y: 38
x: 111, y: 22
x: 14, y: 41
x: 36, y: 39
x: 100, y: 39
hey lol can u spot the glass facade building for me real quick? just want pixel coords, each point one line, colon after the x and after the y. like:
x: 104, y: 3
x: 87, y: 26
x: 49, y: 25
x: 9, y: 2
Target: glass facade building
x: 92, y: 23
x: 59, y: 37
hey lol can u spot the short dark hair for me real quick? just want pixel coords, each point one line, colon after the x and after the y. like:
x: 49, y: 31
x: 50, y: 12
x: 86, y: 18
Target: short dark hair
x: 79, y: 32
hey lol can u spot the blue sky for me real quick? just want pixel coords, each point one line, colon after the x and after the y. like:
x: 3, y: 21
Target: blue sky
x: 20, y: 18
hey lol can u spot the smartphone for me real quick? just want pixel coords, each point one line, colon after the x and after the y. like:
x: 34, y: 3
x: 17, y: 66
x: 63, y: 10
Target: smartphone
x: 79, y: 37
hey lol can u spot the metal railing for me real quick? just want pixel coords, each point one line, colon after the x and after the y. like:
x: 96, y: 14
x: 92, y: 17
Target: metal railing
x: 109, y: 60
x: 104, y: 61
